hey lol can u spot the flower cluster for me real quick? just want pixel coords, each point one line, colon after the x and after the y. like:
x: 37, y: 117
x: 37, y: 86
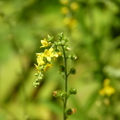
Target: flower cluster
x: 44, y: 59
x: 52, y: 50
x: 68, y: 10
x: 107, y: 89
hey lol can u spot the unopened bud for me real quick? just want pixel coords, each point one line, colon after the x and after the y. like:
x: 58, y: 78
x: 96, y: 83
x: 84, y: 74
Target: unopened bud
x: 61, y: 35
x: 70, y: 111
x: 36, y: 83
x: 72, y: 57
x: 72, y: 71
x: 50, y: 38
x: 36, y: 74
x: 72, y: 91
x: 61, y: 68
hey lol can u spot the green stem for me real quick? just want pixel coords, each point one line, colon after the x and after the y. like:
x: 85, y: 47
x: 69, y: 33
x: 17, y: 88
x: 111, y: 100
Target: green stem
x: 65, y: 84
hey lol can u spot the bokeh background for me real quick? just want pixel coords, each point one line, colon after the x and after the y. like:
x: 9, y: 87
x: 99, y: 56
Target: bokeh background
x: 93, y: 30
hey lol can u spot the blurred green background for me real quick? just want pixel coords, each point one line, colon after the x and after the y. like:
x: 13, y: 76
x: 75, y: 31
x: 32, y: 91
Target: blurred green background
x: 93, y: 29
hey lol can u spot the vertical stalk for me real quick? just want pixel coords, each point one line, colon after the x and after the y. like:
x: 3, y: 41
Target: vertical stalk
x: 65, y: 83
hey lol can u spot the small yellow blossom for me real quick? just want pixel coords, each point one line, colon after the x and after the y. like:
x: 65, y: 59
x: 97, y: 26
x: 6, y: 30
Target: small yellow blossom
x: 44, y: 43
x: 64, y: 10
x: 70, y: 22
x: 40, y: 60
x: 66, y: 21
x: 74, y: 6
x: 48, y: 54
x: 107, y: 89
x: 57, y: 54
x: 64, y: 2
x: 47, y: 66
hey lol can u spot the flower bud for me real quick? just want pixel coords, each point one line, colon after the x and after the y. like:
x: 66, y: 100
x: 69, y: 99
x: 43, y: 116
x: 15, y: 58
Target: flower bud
x: 61, y: 35
x: 67, y: 48
x: 36, y: 80
x: 63, y: 42
x: 36, y: 74
x: 64, y: 2
x: 70, y: 111
x: 72, y: 71
x: 74, y: 6
x: 72, y: 57
x: 62, y: 94
x: 40, y: 78
x: 61, y: 68
x: 55, y: 93
x: 65, y: 39
x: 64, y: 10
x: 35, y: 84
x: 72, y: 91
x: 50, y: 38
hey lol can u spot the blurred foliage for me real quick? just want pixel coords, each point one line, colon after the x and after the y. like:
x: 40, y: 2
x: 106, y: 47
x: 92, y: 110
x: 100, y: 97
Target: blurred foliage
x: 93, y: 29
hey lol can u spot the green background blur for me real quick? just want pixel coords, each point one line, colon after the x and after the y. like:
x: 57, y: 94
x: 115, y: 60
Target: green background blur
x: 95, y: 39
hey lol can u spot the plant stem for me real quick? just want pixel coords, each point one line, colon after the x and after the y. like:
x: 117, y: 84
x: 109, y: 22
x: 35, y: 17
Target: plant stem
x: 65, y: 83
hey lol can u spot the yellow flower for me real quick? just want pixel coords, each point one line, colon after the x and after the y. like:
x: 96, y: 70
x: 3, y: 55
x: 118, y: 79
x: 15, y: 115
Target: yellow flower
x: 64, y: 10
x: 47, y: 66
x: 44, y: 43
x: 48, y: 54
x: 74, y: 6
x: 66, y: 21
x: 40, y: 60
x: 57, y: 54
x: 70, y: 22
x: 64, y: 2
x: 107, y: 89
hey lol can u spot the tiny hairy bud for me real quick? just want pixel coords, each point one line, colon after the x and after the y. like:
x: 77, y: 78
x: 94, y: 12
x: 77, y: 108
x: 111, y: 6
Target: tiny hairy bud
x: 70, y: 111
x: 72, y: 57
x: 72, y: 71
x: 65, y: 39
x: 62, y: 94
x: 35, y: 84
x: 36, y: 80
x: 61, y: 35
x: 61, y: 68
x: 36, y: 74
x: 67, y: 48
x: 63, y: 42
x: 73, y: 91
x: 40, y: 78
x: 50, y: 38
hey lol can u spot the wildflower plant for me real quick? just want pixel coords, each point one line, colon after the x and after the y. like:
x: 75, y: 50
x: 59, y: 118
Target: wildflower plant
x: 52, y: 50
